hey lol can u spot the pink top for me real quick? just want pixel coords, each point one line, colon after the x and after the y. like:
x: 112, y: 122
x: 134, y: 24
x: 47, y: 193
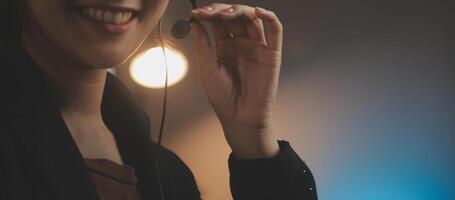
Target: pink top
x: 113, y: 181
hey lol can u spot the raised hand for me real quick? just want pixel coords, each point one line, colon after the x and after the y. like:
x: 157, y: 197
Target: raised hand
x: 240, y: 73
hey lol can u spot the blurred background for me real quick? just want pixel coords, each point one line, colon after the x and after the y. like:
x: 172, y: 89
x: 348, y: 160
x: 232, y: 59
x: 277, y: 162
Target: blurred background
x: 366, y: 98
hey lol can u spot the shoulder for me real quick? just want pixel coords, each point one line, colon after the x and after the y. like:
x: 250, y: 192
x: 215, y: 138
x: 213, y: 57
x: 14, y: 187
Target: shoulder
x: 22, y: 84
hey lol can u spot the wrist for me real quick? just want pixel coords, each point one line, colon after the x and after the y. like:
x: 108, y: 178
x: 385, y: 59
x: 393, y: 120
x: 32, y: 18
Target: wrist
x: 252, y: 143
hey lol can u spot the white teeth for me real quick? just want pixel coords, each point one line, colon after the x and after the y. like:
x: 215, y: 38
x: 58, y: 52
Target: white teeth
x: 118, y: 18
x: 99, y: 15
x: 127, y: 16
x: 107, y: 16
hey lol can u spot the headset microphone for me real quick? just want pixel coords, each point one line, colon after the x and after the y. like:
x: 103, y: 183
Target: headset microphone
x: 182, y: 28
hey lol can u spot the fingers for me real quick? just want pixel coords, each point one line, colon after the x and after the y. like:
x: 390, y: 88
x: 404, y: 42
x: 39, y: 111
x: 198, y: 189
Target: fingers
x: 225, y: 19
x: 205, y: 56
x: 237, y: 29
x: 209, y: 14
x: 249, y: 42
x: 255, y: 52
x: 242, y: 21
x: 275, y: 40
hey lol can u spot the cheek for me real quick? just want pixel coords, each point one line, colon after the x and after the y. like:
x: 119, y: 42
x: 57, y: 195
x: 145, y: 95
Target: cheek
x: 104, y: 51
x: 154, y: 10
x: 104, y: 54
x: 91, y: 47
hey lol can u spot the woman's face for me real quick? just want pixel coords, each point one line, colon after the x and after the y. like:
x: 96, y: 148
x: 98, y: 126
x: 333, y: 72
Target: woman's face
x: 98, y: 33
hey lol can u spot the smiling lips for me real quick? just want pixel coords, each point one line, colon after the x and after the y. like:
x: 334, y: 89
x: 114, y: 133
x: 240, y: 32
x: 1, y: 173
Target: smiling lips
x: 108, y: 14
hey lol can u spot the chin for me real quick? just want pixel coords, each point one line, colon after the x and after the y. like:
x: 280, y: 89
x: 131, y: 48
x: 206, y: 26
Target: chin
x: 108, y: 62
x: 106, y: 59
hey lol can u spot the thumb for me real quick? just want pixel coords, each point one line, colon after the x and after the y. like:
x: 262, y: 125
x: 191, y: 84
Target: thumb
x: 205, y: 56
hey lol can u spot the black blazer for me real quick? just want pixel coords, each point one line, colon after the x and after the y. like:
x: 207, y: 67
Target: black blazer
x: 39, y: 159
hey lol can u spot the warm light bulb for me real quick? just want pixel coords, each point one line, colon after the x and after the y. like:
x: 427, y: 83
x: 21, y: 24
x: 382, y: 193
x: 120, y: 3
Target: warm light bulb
x: 149, y: 70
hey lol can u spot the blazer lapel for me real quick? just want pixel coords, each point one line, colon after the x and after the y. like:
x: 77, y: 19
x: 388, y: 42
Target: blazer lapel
x: 45, y: 138
x: 42, y: 133
x: 131, y: 127
x: 60, y: 160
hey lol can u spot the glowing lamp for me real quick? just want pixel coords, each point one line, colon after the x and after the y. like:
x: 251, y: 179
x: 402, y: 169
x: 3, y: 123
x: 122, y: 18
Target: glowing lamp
x: 148, y: 69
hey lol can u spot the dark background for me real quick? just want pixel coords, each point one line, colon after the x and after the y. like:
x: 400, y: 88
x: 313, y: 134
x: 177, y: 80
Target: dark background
x: 366, y: 98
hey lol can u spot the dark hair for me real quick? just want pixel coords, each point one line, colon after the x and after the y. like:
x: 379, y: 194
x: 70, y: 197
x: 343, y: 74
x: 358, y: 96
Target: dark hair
x: 12, y: 13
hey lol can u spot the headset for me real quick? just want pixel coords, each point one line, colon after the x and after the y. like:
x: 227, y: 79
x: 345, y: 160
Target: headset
x: 179, y: 30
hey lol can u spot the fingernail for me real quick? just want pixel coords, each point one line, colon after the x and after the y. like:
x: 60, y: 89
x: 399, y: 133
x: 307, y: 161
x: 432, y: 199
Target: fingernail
x: 195, y: 11
x: 230, y: 10
x: 208, y: 8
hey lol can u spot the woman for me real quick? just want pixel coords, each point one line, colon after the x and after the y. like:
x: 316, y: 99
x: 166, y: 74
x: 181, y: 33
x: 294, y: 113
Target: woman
x: 70, y: 130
